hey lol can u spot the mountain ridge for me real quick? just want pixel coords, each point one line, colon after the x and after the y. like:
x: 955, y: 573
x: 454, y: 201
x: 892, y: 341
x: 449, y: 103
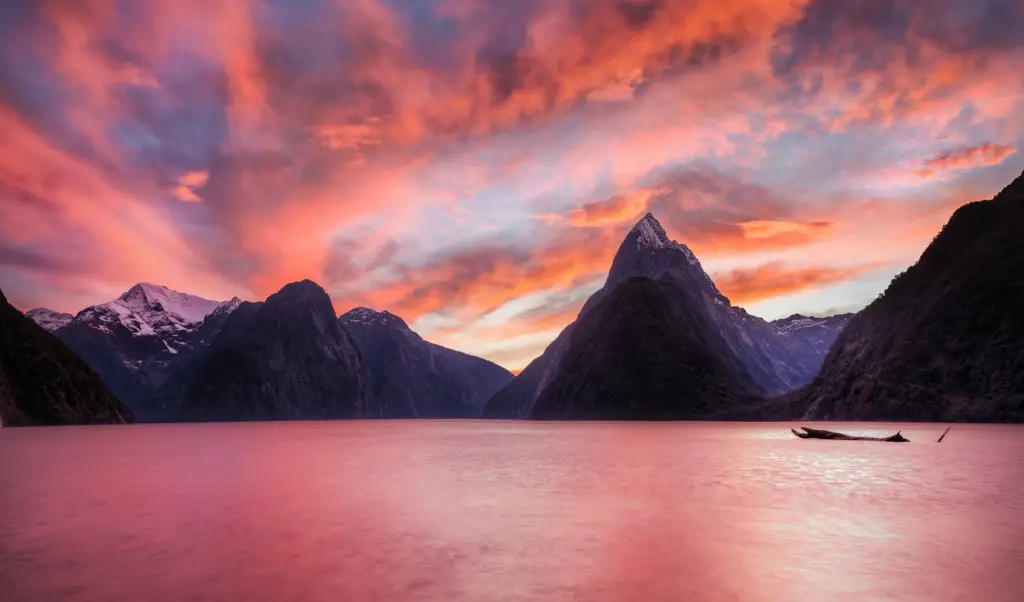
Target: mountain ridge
x: 286, y: 358
x: 945, y: 340
x: 42, y: 382
x: 415, y: 378
x: 777, y: 359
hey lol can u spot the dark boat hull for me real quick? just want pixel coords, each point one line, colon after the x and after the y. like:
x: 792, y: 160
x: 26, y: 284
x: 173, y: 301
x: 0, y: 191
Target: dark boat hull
x: 810, y: 433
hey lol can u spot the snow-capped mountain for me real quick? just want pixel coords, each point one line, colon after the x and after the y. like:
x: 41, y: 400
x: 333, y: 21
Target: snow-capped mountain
x: 776, y: 357
x: 414, y: 378
x: 48, y: 319
x: 149, y: 309
x: 134, y: 341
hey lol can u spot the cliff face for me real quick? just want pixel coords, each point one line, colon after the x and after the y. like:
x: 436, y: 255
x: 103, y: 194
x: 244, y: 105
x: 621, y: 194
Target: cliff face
x: 647, y: 351
x: 42, y: 382
x: 946, y: 339
x: 285, y: 359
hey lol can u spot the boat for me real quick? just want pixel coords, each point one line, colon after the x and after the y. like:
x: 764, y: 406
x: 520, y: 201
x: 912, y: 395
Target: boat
x: 810, y: 433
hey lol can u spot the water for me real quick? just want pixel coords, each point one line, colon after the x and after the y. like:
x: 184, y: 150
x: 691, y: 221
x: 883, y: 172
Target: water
x: 482, y: 511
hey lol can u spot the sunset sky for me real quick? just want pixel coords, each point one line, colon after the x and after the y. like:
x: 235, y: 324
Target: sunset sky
x: 472, y: 165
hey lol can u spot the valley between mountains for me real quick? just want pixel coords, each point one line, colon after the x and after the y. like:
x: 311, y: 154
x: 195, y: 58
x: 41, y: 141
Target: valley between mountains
x: 659, y: 341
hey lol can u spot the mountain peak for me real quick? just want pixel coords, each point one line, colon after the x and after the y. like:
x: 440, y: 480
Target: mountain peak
x: 648, y: 251
x: 303, y: 289
x: 48, y: 319
x: 650, y: 234
x: 145, y: 297
x: 366, y: 317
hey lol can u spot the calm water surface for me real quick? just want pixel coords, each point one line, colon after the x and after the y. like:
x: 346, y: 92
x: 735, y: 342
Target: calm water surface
x: 482, y: 511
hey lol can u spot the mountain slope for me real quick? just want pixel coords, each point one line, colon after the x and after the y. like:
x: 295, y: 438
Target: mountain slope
x: 647, y: 351
x: 137, y: 340
x: 777, y: 356
x: 51, y: 320
x: 414, y: 378
x: 43, y: 383
x: 287, y: 358
x: 945, y: 341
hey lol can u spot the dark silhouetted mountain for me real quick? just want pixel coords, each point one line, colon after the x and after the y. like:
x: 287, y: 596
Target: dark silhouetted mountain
x: 287, y: 358
x: 139, y: 339
x: 778, y: 357
x: 413, y: 378
x: 945, y: 341
x: 42, y: 382
x: 647, y: 351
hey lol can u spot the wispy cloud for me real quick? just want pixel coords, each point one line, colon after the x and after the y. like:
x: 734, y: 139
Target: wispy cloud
x: 449, y: 158
x: 966, y: 157
x: 743, y: 286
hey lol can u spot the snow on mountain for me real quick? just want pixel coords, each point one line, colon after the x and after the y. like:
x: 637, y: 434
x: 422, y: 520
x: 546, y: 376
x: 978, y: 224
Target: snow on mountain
x: 798, y: 322
x: 369, y: 317
x: 651, y: 235
x: 48, y: 319
x: 135, y: 341
x: 149, y: 309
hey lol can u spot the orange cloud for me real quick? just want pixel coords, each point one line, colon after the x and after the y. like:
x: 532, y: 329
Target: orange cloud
x: 95, y: 232
x: 194, y: 179
x: 474, y: 282
x: 295, y: 144
x: 966, y: 157
x: 187, y: 184
x: 769, y: 229
x: 745, y: 286
x: 616, y: 210
x: 185, y: 194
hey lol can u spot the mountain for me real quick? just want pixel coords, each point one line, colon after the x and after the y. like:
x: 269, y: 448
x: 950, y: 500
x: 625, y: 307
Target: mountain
x: 51, y: 320
x: 646, y: 351
x: 137, y: 340
x: 42, y: 382
x: 945, y: 341
x: 776, y: 356
x: 287, y: 358
x: 414, y: 378
x: 803, y: 342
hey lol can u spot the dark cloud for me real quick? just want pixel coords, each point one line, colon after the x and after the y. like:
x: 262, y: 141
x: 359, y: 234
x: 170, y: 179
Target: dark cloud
x: 873, y: 33
x: 30, y: 258
x: 638, y: 13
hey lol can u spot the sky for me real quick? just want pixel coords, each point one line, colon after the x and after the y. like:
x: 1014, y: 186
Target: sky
x: 473, y: 165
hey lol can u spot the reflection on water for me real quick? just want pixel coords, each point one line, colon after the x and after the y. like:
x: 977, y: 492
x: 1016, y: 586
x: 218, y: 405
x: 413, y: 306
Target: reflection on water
x: 509, y: 511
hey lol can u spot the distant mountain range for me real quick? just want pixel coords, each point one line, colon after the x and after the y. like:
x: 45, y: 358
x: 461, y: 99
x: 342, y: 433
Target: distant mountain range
x: 171, y: 356
x: 658, y: 341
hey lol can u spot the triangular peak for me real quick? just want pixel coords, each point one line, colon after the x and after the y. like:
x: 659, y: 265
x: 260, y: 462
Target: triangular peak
x: 650, y: 233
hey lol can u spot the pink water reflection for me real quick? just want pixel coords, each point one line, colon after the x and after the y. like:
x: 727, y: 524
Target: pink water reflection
x: 509, y: 511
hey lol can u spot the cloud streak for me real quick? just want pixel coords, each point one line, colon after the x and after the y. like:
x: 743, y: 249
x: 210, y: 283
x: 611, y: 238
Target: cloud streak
x: 744, y: 286
x: 966, y: 157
